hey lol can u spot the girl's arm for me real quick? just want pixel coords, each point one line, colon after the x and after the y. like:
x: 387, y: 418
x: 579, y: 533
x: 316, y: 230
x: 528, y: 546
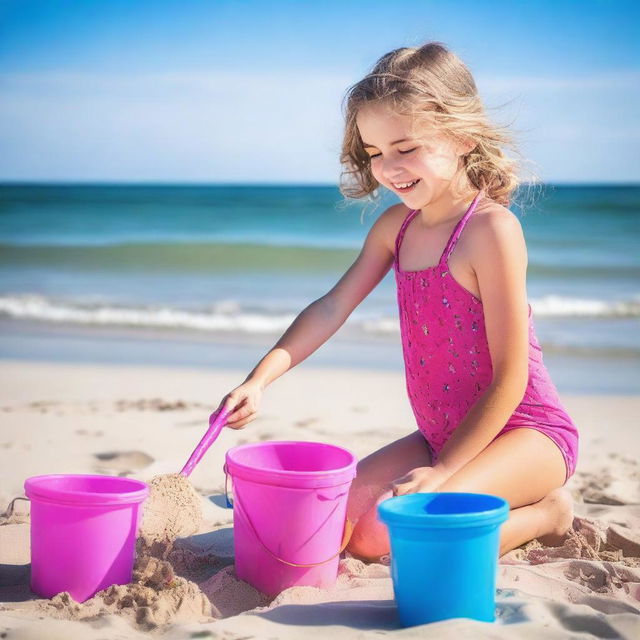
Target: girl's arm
x: 322, y: 318
x: 499, y: 259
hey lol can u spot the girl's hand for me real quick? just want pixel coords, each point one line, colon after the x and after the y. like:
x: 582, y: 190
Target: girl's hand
x: 243, y: 402
x: 420, y: 480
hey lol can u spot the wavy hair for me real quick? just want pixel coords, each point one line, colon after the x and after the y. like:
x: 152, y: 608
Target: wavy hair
x: 432, y: 86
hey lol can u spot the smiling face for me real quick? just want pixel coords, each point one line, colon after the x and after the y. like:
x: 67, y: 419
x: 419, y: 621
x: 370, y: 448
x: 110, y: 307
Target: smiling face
x: 397, y: 156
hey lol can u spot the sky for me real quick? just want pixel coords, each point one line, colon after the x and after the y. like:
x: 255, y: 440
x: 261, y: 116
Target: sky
x: 217, y: 91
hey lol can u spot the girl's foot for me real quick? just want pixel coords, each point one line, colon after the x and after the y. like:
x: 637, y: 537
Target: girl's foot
x: 558, y: 509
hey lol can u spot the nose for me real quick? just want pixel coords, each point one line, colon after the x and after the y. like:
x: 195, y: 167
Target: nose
x: 391, y: 170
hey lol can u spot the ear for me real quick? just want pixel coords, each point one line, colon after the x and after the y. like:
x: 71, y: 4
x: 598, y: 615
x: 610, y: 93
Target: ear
x: 465, y: 146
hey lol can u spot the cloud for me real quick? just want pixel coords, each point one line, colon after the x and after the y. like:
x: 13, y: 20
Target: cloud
x: 209, y: 125
x: 223, y: 125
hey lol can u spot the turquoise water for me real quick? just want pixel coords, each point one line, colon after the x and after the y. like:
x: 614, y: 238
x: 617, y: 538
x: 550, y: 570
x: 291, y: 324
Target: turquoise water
x: 227, y: 262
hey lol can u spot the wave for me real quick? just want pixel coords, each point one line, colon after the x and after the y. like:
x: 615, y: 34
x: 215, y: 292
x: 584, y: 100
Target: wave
x: 232, y: 316
x: 224, y: 316
x: 561, y: 306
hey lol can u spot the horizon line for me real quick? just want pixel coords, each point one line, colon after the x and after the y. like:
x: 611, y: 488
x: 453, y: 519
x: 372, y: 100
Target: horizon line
x: 200, y: 183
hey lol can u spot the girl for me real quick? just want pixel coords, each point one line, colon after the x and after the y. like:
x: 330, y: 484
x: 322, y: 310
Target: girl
x: 488, y: 415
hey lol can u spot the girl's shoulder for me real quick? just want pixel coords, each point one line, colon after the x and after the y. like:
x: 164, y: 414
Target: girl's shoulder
x: 389, y: 222
x: 489, y: 208
x: 490, y: 227
x: 489, y: 216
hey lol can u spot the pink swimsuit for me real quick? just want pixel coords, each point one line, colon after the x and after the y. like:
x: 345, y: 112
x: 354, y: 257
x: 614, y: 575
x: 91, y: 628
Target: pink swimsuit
x: 447, y: 358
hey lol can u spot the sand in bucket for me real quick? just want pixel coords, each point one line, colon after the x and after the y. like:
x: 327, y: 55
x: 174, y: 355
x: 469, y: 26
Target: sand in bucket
x: 172, y: 510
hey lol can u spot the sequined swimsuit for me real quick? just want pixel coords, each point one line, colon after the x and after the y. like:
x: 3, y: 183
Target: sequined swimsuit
x: 447, y: 358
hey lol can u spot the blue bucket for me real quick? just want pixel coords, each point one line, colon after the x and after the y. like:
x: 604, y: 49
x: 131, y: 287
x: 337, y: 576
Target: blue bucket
x: 444, y: 554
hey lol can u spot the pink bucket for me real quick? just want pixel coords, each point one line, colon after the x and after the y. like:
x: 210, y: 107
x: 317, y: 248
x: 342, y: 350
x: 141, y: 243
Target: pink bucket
x: 289, y: 510
x: 83, y: 532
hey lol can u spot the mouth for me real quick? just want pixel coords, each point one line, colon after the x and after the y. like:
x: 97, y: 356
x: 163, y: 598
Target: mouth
x: 406, y: 186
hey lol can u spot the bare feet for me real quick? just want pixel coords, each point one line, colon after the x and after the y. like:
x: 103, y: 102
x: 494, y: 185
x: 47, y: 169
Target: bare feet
x: 558, y: 508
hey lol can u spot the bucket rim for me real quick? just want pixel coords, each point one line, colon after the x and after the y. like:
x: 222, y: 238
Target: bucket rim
x: 337, y: 474
x: 36, y: 488
x: 389, y: 511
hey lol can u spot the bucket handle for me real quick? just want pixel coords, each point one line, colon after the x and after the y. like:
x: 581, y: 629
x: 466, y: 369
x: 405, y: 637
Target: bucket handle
x: 346, y: 536
x: 9, y: 510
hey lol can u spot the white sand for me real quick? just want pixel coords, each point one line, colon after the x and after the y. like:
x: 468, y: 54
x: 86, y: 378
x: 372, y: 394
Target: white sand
x: 173, y: 510
x: 144, y: 423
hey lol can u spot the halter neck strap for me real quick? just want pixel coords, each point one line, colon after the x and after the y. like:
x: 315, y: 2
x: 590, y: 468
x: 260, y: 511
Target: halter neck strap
x: 453, y: 240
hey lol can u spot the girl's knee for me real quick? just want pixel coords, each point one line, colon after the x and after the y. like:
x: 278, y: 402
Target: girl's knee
x: 369, y: 538
x: 365, y: 494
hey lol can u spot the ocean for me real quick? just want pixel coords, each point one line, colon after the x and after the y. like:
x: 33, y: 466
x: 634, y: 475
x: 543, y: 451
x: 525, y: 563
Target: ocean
x: 200, y: 275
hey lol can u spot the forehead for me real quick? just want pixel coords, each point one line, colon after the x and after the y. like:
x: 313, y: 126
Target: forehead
x: 377, y: 124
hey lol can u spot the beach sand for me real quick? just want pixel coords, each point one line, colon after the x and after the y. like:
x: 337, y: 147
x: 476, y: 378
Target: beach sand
x: 143, y: 422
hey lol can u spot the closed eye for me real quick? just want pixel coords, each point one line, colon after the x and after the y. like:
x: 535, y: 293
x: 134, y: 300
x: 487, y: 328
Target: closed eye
x: 378, y: 154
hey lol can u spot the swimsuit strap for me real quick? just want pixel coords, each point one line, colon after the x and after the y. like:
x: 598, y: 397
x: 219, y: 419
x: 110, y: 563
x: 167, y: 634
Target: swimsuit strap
x: 458, y: 229
x: 403, y: 228
x: 452, y: 240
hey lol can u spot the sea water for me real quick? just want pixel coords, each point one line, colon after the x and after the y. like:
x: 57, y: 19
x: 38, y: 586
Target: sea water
x: 206, y: 275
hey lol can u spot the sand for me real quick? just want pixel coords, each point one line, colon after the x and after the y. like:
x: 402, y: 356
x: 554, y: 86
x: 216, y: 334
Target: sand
x: 171, y: 511
x: 115, y: 420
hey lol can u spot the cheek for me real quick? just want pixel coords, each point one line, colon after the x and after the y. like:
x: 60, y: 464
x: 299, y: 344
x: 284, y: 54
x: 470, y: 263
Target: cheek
x: 442, y: 162
x: 375, y: 171
x: 438, y: 162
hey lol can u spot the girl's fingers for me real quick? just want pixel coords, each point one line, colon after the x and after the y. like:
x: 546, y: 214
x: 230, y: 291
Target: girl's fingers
x: 232, y: 403
x: 241, y: 423
x: 234, y: 411
x: 241, y: 413
x: 228, y: 403
x: 407, y: 478
x: 402, y: 489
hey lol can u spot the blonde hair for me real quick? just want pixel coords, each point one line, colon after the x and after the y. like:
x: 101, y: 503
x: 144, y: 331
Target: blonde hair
x: 432, y: 86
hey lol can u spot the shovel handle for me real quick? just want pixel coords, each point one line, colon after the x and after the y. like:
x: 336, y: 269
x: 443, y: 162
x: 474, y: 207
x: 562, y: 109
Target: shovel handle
x: 216, y: 421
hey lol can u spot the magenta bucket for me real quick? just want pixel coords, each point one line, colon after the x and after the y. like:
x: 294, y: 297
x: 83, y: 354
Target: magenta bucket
x: 83, y: 532
x: 289, y: 511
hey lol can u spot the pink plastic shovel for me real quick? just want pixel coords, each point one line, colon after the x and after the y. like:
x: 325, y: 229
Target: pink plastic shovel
x: 217, y: 420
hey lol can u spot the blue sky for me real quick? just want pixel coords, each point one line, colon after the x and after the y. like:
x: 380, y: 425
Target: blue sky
x: 219, y: 91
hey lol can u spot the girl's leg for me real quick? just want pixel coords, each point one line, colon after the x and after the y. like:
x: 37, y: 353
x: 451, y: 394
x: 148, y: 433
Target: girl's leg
x: 547, y: 520
x: 523, y: 466
x: 369, y: 538
x: 527, y: 469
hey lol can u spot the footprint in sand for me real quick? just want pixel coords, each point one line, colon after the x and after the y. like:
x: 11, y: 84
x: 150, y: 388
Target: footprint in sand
x: 155, y: 404
x: 43, y: 406
x: 616, y: 484
x: 305, y: 422
x: 360, y: 409
x: 123, y: 461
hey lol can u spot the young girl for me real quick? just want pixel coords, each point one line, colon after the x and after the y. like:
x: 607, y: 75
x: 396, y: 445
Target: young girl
x: 489, y: 417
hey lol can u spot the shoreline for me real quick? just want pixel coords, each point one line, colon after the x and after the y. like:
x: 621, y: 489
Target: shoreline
x: 31, y: 341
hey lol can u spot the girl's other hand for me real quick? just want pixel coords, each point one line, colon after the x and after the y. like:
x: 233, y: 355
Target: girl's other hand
x: 243, y: 402
x: 420, y: 480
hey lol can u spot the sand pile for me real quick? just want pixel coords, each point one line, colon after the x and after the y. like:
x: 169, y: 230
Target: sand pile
x: 172, y: 510
x: 589, y: 541
x: 156, y: 596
